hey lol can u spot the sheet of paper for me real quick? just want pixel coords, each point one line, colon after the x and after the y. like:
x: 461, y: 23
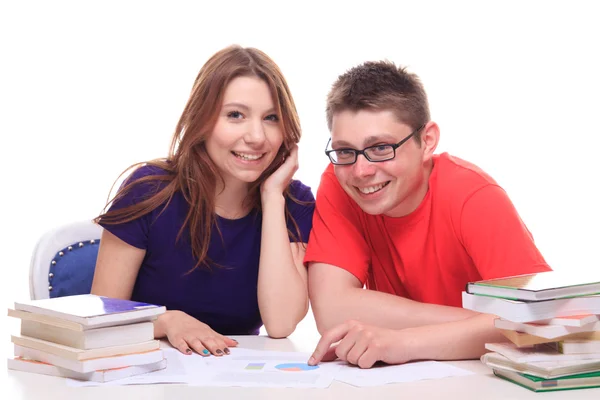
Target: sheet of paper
x: 261, y: 368
x: 382, y: 375
x: 257, y: 368
x: 175, y: 372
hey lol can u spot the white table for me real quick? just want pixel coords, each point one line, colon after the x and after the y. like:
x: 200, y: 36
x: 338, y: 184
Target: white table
x: 483, y: 385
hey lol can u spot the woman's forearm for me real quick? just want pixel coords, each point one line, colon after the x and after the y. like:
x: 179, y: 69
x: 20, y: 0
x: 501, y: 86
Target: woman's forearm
x: 282, y: 292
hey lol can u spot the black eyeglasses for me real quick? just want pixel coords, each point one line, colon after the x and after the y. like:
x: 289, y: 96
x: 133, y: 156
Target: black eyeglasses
x: 377, y: 153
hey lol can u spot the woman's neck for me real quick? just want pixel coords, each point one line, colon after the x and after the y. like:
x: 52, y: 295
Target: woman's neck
x: 229, y: 200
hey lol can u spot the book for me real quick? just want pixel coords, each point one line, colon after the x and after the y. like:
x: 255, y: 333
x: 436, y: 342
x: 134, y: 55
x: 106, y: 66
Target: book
x: 521, y: 311
x: 72, y: 353
x: 536, y: 353
x: 521, y: 339
x: 573, y: 320
x: 544, y: 369
x: 44, y: 319
x: 578, y: 346
x: 105, y: 375
x: 579, y: 381
x: 545, y: 331
x: 90, y: 338
x: 547, y: 285
x: 91, y: 365
x: 92, y: 311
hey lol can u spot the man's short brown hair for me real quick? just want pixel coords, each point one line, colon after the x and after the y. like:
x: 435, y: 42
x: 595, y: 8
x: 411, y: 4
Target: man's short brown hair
x: 380, y: 85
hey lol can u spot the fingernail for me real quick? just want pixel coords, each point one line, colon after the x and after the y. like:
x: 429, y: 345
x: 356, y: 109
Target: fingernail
x: 311, y: 361
x: 226, y: 350
x: 219, y: 351
x: 235, y: 340
x: 205, y: 351
x: 188, y: 351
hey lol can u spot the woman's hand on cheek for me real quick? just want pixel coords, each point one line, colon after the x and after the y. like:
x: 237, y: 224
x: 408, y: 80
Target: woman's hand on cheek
x: 280, y: 179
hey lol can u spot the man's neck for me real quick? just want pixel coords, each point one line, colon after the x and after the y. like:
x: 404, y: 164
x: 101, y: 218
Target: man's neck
x: 416, y: 196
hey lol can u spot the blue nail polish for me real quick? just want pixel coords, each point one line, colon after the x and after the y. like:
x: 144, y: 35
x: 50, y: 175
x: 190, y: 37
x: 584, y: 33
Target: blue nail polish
x: 204, y: 351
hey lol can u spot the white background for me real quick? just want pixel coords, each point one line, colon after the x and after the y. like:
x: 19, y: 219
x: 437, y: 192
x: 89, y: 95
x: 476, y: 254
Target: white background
x: 88, y: 88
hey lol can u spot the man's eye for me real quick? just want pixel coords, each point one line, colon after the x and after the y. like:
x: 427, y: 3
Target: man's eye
x: 345, y: 153
x: 382, y: 149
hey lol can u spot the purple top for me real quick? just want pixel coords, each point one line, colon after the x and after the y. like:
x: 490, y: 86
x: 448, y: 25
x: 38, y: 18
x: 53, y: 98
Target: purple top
x: 225, y: 298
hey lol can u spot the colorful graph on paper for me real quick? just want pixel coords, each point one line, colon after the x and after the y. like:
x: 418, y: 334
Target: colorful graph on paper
x: 254, y: 366
x: 296, y: 367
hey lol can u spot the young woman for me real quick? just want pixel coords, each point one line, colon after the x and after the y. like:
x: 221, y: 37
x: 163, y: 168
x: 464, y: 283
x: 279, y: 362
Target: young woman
x: 216, y: 232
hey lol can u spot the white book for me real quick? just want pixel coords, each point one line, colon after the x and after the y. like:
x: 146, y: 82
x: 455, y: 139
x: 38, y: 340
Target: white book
x: 92, y: 311
x: 89, y: 338
x: 78, y: 354
x: 521, y: 311
x: 105, y: 375
x: 93, y: 364
x: 545, y: 331
x: 536, y: 353
x: 578, y: 346
x: 543, y: 369
x: 574, y: 320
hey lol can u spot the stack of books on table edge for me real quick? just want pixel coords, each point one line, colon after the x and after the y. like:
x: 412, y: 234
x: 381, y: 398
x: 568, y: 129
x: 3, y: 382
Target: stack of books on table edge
x: 552, y: 320
x: 86, y: 337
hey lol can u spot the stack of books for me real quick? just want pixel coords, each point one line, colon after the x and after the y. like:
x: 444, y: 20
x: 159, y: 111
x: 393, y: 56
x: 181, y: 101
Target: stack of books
x: 86, y: 337
x: 552, y: 323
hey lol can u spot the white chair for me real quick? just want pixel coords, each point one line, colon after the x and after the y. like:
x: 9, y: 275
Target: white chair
x: 64, y: 260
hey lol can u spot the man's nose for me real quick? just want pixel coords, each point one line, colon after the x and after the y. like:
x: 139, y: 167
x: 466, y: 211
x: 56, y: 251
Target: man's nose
x: 363, y: 167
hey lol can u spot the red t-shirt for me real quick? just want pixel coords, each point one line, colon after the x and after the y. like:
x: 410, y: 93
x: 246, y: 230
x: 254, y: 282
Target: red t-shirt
x: 465, y: 229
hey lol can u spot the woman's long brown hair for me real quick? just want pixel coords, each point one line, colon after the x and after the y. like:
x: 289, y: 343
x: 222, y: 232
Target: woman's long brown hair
x: 189, y: 169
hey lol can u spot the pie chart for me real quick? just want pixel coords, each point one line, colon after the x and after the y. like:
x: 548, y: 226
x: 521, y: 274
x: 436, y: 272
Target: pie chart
x: 296, y: 367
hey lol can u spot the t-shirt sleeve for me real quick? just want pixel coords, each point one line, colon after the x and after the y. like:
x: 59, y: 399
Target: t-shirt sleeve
x: 301, y: 211
x: 134, y: 232
x: 337, y: 236
x: 496, y: 238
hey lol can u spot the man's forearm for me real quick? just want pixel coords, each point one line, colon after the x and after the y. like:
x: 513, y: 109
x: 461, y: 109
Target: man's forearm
x: 381, y: 309
x: 458, y: 340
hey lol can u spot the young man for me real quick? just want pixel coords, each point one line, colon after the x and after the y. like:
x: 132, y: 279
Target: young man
x: 412, y: 225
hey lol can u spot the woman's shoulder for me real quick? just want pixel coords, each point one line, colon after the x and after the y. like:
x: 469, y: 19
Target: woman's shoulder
x: 147, y: 169
x: 300, y: 191
x: 144, y: 181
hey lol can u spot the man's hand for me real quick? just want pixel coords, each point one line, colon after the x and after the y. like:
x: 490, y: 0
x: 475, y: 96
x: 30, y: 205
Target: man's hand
x: 361, y: 345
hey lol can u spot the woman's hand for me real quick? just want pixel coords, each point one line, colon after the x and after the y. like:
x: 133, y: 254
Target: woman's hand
x: 280, y: 179
x: 186, y: 333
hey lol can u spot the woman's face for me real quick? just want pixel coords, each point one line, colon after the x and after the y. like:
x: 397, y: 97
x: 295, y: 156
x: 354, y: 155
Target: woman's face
x: 247, y: 134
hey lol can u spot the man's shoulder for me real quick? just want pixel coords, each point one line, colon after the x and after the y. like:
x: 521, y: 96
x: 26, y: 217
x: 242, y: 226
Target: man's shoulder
x: 329, y: 181
x: 455, y: 175
x: 332, y: 197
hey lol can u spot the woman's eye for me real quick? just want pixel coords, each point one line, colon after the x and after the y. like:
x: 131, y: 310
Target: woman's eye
x: 272, y: 117
x: 234, y: 114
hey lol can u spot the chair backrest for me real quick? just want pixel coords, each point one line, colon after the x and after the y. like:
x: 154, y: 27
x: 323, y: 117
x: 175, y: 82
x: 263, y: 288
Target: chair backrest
x: 64, y: 260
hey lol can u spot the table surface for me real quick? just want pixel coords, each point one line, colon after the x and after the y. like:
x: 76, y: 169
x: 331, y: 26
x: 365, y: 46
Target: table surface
x: 23, y: 385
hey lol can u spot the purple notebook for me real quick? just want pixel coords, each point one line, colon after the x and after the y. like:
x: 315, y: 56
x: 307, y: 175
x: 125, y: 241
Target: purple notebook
x: 91, y: 310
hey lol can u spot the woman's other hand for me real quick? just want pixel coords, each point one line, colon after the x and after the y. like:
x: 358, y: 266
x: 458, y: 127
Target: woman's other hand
x: 187, y: 334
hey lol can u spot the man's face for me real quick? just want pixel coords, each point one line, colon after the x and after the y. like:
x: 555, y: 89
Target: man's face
x: 395, y: 187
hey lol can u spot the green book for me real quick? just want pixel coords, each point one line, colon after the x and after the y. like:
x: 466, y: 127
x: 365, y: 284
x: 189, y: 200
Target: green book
x: 537, y: 384
x: 540, y: 286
